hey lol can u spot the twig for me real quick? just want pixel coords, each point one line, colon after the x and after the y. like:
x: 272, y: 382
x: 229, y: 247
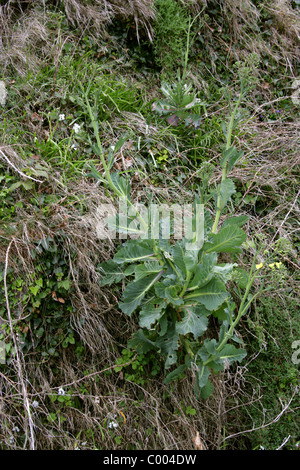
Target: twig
x: 17, y: 170
x: 267, y: 424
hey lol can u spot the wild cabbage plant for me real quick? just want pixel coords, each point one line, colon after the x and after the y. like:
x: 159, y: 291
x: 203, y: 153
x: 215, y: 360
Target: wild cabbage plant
x: 175, y: 287
x: 180, y: 104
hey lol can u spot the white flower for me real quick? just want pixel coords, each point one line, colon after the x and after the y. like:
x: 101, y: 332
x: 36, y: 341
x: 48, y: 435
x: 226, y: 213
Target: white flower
x: 35, y: 404
x: 3, y: 93
x: 15, y: 429
x: 76, y: 128
x: 61, y: 391
x: 113, y: 424
x: 61, y: 117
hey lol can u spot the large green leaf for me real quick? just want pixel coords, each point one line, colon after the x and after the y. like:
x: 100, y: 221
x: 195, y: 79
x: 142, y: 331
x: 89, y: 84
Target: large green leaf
x: 202, y: 374
x: 136, y: 291
x: 149, y: 267
x: 151, y: 313
x: 133, y: 251
x: 178, y: 258
x: 227, y: 240
x: 230, y: 353
x: 122, y: 184
x: 212, y: 295
x: 126, y: 225
x: 203, y: 271
x: 169, y: 344
x: 175, y: 374
x: 141, y: 343
x: 237, y: 220
x: 111, y: 272
x: 225, y: 190
x: 230, y: 157
x: 191, y: 322
x: 169, y: 293
x: 224, y: 272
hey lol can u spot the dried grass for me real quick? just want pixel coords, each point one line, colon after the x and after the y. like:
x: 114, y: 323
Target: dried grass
x: 27, y: 37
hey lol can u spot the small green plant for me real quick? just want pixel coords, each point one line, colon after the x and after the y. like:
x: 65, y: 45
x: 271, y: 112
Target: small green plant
x: 44, y: 299
x: 137, y: 368
x: 170, y: 34
x: 179, y: 103
x: 174, y: 288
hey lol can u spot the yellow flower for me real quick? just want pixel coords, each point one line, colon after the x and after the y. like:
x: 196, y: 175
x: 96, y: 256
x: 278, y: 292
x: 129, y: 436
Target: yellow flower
x: 277, y: 265
x: 259, y: 266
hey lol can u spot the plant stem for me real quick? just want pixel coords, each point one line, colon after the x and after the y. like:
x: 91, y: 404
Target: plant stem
x: 228, y: 145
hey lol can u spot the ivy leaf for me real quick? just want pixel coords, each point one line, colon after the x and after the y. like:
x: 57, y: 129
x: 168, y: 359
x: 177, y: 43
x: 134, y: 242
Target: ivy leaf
x: 227, y: 240
x: 212, y: 295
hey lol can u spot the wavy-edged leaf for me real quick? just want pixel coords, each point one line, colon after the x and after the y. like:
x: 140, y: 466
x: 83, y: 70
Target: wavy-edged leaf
x: 169, y: 344
x: 230, y: 353
x: 203, y: 271
x: 230, y: 157
x: 134, y: 251
x: 175, y: 374
x: 237, y: 220
x: 177, y: 252
x: 191, y: 322
x: 224, y: 272
x: 207, y: 390
x: 227, y: 240
x: 169, y: 293
x: 136, y: 291
x: 122, y: 184
x: 150, y: 267
x: 202, y: 374
x: 212, y: 295
x: 225, y: 190
x: 111, y: 272
x: 141, y: 343
x: 151, y: 313
x: 126, y: 225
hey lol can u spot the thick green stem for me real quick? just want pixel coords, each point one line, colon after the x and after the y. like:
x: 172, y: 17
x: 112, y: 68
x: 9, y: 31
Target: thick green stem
x: 241, y: 312
x: 228, y: 145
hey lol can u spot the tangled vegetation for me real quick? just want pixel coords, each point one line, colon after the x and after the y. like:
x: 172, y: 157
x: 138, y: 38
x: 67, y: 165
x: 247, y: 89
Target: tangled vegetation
x: 110, y: 339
